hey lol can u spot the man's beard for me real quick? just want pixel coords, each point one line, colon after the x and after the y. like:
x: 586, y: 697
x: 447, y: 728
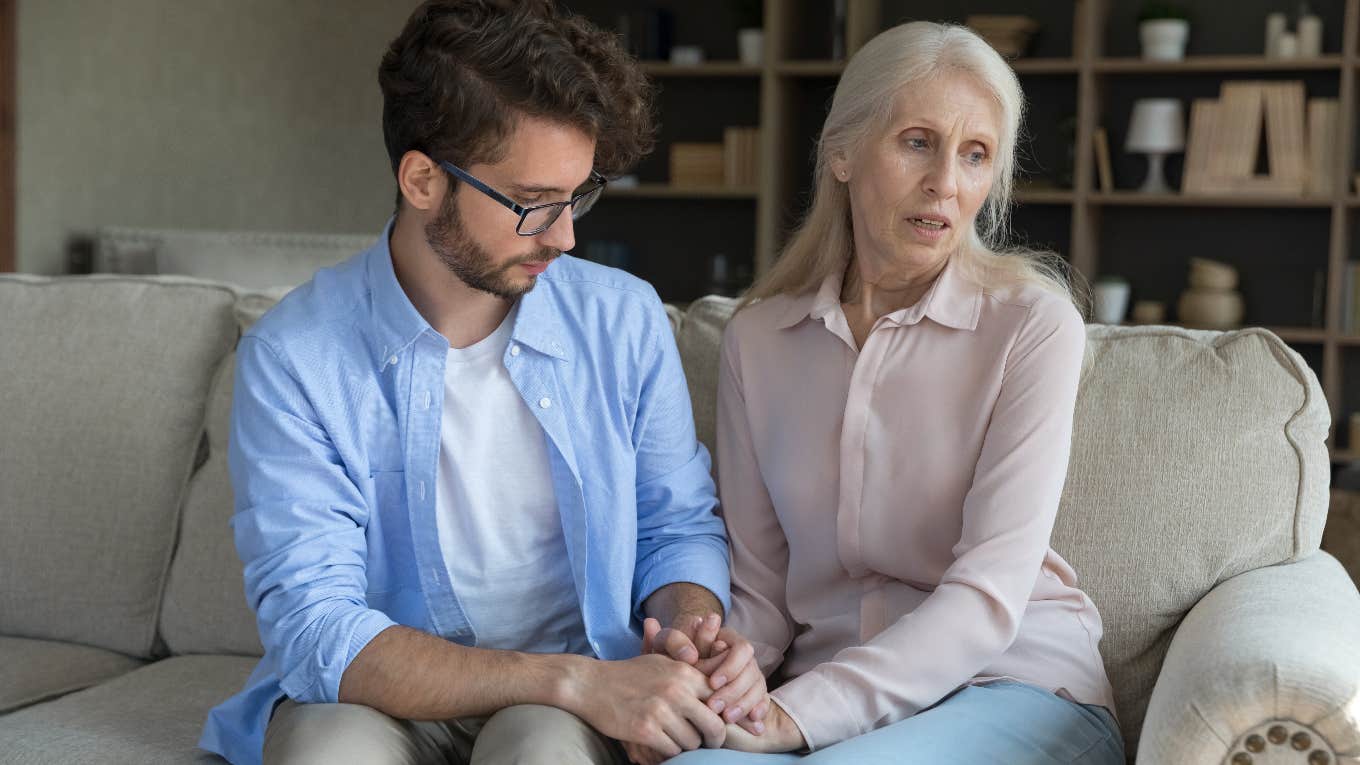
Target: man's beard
x: 471, y: 263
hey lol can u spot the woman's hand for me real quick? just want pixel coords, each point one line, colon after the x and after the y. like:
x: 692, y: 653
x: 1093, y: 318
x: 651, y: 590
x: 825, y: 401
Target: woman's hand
x: 781, y: 734
x: 725, y: 657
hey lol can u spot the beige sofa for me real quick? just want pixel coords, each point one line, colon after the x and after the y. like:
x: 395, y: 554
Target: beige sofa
x: 1193, y: 509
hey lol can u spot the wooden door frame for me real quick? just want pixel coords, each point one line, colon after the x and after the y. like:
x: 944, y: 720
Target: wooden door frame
x: 9, y: 80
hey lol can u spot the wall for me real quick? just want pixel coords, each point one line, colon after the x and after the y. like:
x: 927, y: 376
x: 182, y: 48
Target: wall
x: 229, y: 114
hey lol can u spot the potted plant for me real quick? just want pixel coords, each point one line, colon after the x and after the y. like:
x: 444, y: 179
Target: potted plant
x: 750, y: 35
x: 1163, y: 29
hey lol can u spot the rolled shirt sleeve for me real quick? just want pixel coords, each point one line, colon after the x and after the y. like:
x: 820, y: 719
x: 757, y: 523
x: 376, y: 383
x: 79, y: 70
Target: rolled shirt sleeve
x: 299, y: 529
x: 679, y: 536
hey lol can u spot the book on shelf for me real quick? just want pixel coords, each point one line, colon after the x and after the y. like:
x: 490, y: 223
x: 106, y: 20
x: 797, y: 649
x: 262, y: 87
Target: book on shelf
x: 741, y: 154
x: 1350, y: 298
x: 1324, y: 155
x: 1226, y: 134
x: 696, y: 164
x: 1203, y: 124
x: 1103, y: 171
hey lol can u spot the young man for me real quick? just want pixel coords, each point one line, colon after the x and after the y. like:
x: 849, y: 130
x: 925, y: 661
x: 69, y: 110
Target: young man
x: 464, y: 464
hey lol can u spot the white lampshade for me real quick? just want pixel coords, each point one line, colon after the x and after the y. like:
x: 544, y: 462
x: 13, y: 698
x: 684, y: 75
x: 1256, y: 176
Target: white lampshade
x: 1157, y: 126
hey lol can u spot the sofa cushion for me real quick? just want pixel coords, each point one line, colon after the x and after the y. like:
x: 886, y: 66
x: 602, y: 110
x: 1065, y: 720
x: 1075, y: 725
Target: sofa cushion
x: 37, y: 670
x: 205, y: 607
x: 149, y: 716
x: 699, y: 339
x: 107, y: 379
x: 1196, y: 456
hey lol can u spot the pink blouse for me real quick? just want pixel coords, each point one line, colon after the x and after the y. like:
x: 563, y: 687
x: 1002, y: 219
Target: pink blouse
x: 889, y: 508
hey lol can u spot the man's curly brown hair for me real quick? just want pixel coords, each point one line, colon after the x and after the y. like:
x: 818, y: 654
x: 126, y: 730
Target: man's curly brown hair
x: 461, y: 73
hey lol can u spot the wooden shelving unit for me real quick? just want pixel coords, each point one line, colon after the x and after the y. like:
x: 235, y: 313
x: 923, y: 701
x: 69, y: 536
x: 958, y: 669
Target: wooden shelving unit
x: 1217, y: 64
x: 1093, y: 76
x: 667, y: 191
x: 1137, y: 199
x: 706, y: 69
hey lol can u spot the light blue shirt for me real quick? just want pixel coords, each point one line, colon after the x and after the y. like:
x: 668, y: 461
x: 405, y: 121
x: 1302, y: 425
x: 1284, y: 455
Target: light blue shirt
x: 334, y: 453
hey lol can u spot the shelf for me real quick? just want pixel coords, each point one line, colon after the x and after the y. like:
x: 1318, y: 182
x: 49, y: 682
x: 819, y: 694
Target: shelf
x: 1044, y: 65
x: 1043, y: 196
x: 1348, y: 339
x: 1306, y: 335
x: 1217, y: 64
x: 667, y: 191
x: 1139, y: 199
x: 815, y: 68
x: 706, y: 69
x: 810, y: 68
x: 1344, y: 455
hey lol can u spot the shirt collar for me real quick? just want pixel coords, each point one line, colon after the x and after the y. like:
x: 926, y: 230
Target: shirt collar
x: 399, y: 323
x: 539, y: 324
x: 952, y: 301
x: 396, y: 320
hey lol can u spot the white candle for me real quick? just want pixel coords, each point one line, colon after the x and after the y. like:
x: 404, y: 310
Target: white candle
x: 1310, y: 36
x: 1275, y: 26
x: 1287, y: 46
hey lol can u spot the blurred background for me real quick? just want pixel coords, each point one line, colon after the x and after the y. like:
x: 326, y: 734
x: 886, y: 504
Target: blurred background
x: 214, y: 137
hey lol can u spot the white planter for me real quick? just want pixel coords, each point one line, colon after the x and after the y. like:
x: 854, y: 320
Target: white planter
x: 1111, y: 301
x: 1164, y: 39
x: 751, y: 46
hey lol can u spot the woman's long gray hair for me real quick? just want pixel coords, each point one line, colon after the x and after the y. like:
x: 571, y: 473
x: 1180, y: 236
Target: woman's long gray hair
x: 895, y: 59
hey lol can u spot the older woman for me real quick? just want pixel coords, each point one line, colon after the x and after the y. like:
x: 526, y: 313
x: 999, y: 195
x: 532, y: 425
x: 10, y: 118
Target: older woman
x: 894, y: 419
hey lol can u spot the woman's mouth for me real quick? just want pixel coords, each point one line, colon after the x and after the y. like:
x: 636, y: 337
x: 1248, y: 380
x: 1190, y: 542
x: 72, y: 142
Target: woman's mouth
x: 930, y: 229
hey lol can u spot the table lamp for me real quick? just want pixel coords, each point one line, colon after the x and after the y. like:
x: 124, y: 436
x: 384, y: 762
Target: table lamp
x: 1157, y: 128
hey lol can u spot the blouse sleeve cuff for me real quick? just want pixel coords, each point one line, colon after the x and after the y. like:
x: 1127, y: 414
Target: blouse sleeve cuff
x: 819, y: 709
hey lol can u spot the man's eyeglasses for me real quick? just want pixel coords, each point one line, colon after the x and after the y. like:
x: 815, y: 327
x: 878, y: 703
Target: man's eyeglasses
x: 538, y: 218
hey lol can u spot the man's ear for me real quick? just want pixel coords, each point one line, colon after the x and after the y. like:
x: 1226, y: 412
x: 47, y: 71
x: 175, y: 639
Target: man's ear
x: 421, y: 181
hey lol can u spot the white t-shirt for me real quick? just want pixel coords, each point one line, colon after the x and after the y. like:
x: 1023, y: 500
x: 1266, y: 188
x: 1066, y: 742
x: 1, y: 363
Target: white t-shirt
x: 499, y: 527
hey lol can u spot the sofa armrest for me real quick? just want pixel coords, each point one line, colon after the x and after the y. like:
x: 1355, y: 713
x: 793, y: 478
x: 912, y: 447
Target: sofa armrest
x: 1267, y: 664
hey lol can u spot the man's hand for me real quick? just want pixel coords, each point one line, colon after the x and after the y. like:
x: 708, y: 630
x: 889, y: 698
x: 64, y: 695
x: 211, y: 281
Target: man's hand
x: 651, y: 701
x: 781, y: 734
x: 727, y: 658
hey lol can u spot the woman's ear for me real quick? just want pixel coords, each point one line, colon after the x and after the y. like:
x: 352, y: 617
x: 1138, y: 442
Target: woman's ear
x: 840, y: 166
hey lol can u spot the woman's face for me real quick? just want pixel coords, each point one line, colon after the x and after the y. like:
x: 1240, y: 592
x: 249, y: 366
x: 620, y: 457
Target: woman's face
x: 917, y: 185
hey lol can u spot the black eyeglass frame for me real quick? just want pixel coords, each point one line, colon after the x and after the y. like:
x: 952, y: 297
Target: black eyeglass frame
x: 524, y: 212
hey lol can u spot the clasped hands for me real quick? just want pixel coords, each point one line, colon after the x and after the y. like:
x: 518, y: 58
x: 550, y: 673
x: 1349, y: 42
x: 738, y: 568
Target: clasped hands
x: 735, y: 691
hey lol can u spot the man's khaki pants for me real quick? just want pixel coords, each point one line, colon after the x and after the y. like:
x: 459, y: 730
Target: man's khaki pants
x: 325, y: 734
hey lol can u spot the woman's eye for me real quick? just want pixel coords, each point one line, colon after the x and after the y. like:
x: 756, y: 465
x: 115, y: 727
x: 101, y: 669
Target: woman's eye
x: 976, y: 157
x: 918, y: 144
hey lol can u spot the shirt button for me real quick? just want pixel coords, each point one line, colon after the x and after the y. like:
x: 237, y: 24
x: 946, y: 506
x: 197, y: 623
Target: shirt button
x: 392, y: 361
x: 544, y: 403
x: 514, y: 350
x: 425, y: 402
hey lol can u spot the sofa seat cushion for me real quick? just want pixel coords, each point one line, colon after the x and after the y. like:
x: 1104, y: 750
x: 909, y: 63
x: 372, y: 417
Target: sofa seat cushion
x: 38, y: 670
x: 106, y: 380
x: 149, y: 716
